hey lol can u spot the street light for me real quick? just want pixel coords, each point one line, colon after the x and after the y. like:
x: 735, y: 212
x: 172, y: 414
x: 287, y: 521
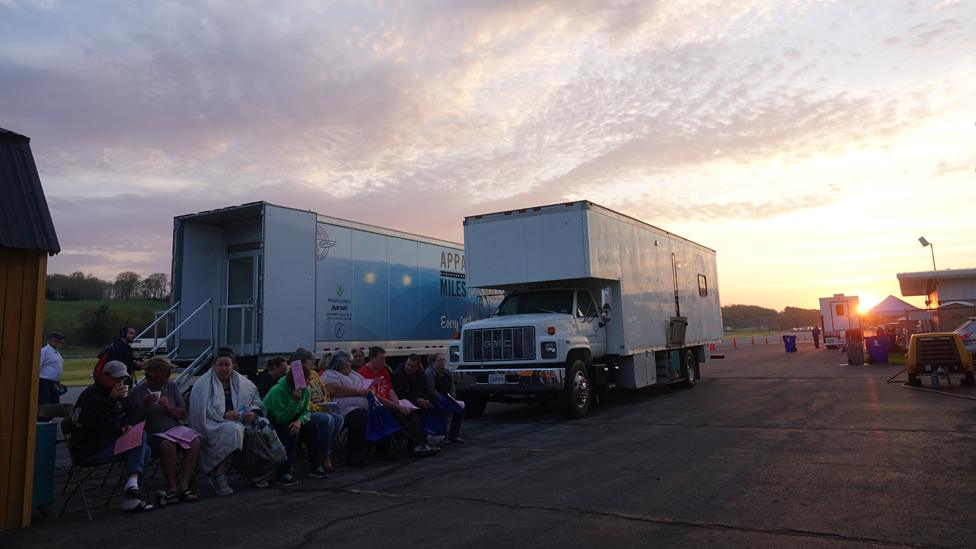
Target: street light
x: 926, y: 243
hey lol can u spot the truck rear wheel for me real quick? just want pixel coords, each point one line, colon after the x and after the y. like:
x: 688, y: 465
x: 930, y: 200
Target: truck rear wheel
x: 474, y: 405
x: 577, y: 393
x: 689, y: 370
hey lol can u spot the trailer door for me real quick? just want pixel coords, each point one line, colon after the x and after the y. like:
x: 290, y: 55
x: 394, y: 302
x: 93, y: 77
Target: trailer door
x: 238, y: 317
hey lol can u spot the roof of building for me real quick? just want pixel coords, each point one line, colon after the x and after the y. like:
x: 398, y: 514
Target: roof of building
x: 948, y: 304
x: 892, y: 306
x: 923, y: 282
x: 25, y: 221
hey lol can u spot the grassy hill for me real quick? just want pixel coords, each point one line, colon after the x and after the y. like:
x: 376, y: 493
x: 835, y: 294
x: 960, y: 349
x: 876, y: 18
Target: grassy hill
x: 75, y: 320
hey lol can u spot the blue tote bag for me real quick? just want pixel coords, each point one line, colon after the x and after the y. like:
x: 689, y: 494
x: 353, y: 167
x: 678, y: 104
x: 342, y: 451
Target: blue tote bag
x: 380, y: 423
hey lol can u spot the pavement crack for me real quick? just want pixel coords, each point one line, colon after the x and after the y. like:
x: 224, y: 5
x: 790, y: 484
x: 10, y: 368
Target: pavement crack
x: 661, y: 521
x: 310, y: 535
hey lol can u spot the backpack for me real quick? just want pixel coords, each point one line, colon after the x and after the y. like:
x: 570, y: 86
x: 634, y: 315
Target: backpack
x: 102, y: 361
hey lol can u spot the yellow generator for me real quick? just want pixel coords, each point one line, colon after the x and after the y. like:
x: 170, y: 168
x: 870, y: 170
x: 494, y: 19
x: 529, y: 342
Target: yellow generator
x: 938, y: 354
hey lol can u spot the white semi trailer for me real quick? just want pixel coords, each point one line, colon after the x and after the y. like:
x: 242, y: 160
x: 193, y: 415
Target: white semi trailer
x: 593, y: 300
x: 838, y: 314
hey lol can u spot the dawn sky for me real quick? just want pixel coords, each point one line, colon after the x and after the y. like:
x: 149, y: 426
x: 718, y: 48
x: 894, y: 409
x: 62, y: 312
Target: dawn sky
x: 809, y: 142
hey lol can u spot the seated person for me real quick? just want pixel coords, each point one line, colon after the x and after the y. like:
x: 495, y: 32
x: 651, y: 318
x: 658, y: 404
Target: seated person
x: 158, y: 401
x: 100, y: 421
x: 325, y: 413
x: 221, y: 403
x: 441, y: 382
x: 358, y: 358
x: 345, y: 385
x: 377, y: 370
x: 410, y: 383
x: 275, y: 368
x: 287, y: 407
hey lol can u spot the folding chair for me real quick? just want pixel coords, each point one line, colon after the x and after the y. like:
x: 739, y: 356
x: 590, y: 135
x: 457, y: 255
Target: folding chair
x: 84, y: 476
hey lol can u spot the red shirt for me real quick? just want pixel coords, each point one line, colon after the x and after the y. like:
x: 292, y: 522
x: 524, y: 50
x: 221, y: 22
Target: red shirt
x: 382, y: 381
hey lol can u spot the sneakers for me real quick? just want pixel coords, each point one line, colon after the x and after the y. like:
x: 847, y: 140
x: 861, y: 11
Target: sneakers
x: 424, y: 450
x: 318, y: 472
x: 285, y: 481
x: 435, y: 440
x: 262, y: 483
x: 457, y: 440
x: 220, y: 485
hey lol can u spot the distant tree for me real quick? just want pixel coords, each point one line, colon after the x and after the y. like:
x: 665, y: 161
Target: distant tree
x: 795, y: 317
x: 155, y: 286
x: 126, y: 284
x: 76, y: 286
x: 740, y: 317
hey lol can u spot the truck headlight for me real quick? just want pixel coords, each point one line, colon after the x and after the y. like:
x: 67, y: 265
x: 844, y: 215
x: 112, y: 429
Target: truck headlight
x: 455, y: 354
x: 549, y: 349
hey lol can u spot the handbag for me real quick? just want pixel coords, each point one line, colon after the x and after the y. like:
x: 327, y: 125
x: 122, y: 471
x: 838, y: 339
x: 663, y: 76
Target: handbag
x: 263, y: 451
x: 380, y: 423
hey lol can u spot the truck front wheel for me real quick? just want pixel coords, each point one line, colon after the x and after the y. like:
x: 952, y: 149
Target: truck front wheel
x: 577, y: 393
x: 474, y: 404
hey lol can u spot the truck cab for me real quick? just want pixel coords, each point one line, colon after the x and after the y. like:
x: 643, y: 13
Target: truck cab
x: 532, y: 342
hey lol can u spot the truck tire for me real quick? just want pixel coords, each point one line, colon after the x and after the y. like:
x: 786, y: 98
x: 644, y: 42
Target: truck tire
x: 689, y: 370
x: 914, y: 380
x: 474, y: 405
x: 577, y: 394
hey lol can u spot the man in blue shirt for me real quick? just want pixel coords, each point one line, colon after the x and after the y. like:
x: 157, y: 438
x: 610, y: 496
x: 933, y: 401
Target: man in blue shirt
x: 52, y: 366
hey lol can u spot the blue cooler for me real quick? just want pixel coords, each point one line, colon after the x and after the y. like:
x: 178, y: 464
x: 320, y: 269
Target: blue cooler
x: 789, y: 341
x: 877, y: 349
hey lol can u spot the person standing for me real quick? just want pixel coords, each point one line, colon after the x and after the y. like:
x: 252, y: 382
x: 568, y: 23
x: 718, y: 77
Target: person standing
x: 121, y: 350
x: 52, y: 366
x: 816, y: 337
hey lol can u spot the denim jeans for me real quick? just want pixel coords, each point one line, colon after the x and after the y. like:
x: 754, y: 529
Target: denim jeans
x: 135, y: 459
x: 329, y: 424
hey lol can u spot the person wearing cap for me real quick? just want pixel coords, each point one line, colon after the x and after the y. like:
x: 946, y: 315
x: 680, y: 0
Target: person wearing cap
x: 52, y: 366
x: 158, y: 401
x: 100, y: 420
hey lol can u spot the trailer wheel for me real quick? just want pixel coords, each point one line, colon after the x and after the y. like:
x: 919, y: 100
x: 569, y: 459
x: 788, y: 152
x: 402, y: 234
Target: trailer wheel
x: 577, y: 394
x: 914, y: 380
x: 968, y: 380
x: 474, y: 405
x: 689, y: 370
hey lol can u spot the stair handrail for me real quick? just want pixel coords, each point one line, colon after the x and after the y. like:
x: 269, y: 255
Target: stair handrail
x: 193, y: 368
x: 209, y: 301
x: 158, y: 318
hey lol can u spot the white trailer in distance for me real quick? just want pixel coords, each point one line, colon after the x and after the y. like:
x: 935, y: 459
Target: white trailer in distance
x: 837, y: 315
x: 594, y: 300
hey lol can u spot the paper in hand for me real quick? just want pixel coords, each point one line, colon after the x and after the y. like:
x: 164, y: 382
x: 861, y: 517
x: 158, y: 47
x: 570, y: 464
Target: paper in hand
x: 298, y: 374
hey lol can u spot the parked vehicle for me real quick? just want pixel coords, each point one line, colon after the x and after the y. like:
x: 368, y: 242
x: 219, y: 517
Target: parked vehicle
x: 967, y: 332
x: 265, y: 280
x: 837, y: 315
x: 594, y: 300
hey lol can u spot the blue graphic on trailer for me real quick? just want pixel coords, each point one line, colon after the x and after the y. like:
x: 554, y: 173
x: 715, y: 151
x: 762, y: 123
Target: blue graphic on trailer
x: 375, y: 287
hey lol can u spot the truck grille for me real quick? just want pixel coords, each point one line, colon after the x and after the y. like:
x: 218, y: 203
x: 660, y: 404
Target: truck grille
x: 938, y: 351
x: 499, y: 344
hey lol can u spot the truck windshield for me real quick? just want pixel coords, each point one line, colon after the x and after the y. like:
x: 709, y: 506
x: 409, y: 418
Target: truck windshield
x: 547, y: 301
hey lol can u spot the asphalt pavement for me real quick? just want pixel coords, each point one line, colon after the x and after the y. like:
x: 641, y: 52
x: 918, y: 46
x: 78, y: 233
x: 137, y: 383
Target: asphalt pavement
x: 768, y: 450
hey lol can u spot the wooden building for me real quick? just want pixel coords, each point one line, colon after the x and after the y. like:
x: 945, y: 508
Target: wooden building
x: 27, y: 236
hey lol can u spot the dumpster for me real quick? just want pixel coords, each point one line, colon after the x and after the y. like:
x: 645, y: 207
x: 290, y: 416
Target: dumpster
x: 44, y: 452
x: 789, y: 341
x: 877, y: 349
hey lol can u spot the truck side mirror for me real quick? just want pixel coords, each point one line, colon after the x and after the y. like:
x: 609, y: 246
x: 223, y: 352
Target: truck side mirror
x: 605, y: 315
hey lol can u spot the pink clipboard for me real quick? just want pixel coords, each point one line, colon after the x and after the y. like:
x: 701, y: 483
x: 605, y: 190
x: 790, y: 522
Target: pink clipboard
x: 298, y: 374
x: 131, y: 439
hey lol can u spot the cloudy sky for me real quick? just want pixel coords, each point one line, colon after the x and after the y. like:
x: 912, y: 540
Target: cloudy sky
x: 810, y: 142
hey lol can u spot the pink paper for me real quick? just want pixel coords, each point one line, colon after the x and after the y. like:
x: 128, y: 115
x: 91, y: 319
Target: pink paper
x: 298, y: 374
x: 131, y: 439
x: 181, y: 434
x: 459, y: 402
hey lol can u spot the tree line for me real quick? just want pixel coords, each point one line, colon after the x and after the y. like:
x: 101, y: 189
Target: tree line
x: 741, y: 317
x: 79, y: 286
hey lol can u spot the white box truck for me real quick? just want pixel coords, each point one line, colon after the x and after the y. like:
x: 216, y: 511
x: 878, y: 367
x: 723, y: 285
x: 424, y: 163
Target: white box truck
x: 593, y: 300
x: 838, y: 314
x: 266, y: 279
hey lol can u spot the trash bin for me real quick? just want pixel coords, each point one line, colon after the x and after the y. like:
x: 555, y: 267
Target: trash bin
x: 789, y: 341
x: 44, y: 452
x: 877, y: 349
x: 855, y: 353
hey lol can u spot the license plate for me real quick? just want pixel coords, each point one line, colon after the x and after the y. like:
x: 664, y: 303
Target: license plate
x: 496, y: 379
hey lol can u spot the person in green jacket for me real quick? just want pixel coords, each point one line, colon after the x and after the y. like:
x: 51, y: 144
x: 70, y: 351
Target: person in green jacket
x: 288, y: 412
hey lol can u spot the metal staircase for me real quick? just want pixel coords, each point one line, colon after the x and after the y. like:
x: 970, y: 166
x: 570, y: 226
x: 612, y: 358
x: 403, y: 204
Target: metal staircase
x: 189, y: 363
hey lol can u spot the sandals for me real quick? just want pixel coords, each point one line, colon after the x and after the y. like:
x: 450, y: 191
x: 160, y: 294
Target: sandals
x: 133, y: 501
x: 188, y: 495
